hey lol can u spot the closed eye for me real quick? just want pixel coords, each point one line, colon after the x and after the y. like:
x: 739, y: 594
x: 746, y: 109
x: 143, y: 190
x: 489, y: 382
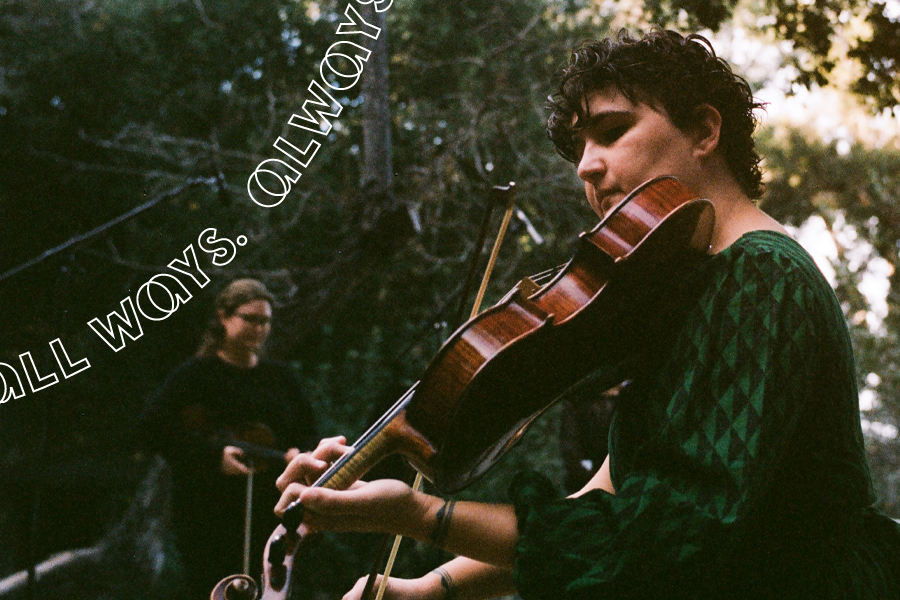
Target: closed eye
x: 610, y: 135
x: 604, y: 137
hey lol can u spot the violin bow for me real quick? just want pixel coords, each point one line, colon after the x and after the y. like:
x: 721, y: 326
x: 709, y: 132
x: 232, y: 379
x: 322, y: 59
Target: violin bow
x: 501, y: 194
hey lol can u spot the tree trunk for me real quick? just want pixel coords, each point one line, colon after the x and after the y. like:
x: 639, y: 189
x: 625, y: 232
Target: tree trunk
x: 378, y: 164
x: 382, y: 222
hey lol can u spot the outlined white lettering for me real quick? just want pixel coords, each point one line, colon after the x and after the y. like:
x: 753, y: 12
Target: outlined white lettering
x: 340, y: 70
x: 280, y: 144
x: 322, y: 126
x: 10, y: 391
x: 356, y: 60
x: 191, y: 267
x: 379, y: 4
x: 65, y: 363
x: 223, y: 250
x: 356, y: 19
x: 284, y: 181
x: 171, y: 302
x: 118, y: 326
x: 31, y: 369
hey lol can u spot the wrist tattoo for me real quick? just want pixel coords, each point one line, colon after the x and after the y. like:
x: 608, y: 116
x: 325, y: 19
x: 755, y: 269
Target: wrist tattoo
x: 446, y: 583
x: 442, y: 523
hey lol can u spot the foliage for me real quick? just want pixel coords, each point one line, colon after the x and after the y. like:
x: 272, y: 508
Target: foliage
x: 818, y: 31
x: 855, y: 194
x: 879, y: 56
x: 106, y: 104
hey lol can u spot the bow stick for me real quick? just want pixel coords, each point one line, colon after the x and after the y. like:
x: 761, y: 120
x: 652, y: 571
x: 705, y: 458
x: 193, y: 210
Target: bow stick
x: 501, y: 195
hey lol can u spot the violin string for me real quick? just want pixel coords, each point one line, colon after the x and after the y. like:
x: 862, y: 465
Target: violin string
x: 546, y: 275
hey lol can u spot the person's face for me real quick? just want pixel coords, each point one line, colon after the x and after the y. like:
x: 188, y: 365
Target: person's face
x: 248, y: 325
x: 624, y: 144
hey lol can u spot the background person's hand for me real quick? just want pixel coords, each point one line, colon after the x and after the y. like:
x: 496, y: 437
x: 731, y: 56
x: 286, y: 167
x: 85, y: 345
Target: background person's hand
x: 231, y: 463
x: 291, y: 454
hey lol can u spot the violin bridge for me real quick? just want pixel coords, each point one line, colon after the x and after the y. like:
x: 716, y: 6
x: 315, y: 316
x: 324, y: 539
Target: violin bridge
x: 527, y: 287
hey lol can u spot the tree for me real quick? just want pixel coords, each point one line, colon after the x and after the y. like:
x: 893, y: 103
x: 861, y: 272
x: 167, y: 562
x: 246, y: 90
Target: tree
x: 855, y: 195
x: 104, y: 105
x: 817, y: 31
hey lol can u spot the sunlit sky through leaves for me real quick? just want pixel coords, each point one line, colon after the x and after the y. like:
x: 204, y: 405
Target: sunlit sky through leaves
x: 832, y: 115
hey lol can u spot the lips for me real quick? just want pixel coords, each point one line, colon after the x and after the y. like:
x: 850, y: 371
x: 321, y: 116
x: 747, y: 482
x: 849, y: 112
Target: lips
x: 607, y: 199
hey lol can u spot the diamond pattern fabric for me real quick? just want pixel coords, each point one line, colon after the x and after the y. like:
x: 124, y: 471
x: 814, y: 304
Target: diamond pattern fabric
x: 736, y: 454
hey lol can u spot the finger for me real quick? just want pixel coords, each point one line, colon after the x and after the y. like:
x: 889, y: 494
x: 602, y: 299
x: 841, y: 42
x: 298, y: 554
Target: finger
x: 339, y: 523
x: 236, y: 467
x: 331, y: 449
x: 237, y: 460
x: 360, y: 499
x: 303, y: 468
x: 324, y: 509
x: 307, y: 467
x: 359, y: 586
x: 341, y: 511
x: 232, y: 451
x: 328, y: 502
x: 340, y: 439
x: 290, y: 494
x: 231, y: 463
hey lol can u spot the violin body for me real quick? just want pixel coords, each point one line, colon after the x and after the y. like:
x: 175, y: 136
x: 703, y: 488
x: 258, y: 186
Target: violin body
x: 257, y: 440
x: 497, y: 373
x: 503, y: 368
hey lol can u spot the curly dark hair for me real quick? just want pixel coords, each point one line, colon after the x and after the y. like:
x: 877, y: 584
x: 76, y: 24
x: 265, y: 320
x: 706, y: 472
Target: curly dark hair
x: 663, y: 69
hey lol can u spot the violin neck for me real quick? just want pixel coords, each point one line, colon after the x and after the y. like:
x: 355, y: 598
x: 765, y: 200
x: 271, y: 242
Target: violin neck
x: 379, y: 441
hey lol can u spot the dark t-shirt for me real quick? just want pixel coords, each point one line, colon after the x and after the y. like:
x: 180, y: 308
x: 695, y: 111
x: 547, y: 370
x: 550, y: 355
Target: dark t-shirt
x: 204, y: 405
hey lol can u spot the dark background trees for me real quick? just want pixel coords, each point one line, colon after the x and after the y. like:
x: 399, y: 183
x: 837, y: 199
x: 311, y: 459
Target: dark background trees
x: 105, y: 105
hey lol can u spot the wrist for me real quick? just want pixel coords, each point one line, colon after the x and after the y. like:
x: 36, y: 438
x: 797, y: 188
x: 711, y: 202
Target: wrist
x: 443, y: 519
x: 425, y: 509
x: 441, y: 585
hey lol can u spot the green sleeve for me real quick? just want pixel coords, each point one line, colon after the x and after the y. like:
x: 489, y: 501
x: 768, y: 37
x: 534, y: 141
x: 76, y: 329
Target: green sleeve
x: 697, y: 447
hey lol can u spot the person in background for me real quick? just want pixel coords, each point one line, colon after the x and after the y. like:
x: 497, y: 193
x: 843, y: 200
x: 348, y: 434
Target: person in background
x: 222, y: 413
x: 736, y: 466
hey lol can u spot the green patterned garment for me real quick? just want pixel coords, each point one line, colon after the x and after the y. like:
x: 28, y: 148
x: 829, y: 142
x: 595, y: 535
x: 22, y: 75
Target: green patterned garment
x: 736, y: 454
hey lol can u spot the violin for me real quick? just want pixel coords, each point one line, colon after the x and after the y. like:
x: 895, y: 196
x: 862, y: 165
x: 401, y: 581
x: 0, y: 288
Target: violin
x: 506, y: 366
x: 256, y: 440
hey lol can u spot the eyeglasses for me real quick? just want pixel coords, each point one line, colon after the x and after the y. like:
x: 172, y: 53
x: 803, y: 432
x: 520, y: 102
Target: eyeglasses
x: 254, y: 319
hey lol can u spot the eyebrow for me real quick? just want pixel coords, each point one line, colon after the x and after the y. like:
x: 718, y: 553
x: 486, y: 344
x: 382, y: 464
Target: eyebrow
x: 599, y: 118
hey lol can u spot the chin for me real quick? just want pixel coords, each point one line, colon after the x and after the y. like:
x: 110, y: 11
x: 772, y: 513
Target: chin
x: 255, y: 348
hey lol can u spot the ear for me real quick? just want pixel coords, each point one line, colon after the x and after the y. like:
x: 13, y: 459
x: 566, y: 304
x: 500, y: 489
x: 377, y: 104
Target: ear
x: 707, y: 128
x: 222, y: 317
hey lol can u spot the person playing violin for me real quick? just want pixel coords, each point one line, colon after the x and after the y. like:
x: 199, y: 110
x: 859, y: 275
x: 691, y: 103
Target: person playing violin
x: 209, y: 419
x: 736, y: 465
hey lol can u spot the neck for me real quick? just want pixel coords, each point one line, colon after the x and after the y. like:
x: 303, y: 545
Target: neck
x: 736, y: 214
x: 239, y: 357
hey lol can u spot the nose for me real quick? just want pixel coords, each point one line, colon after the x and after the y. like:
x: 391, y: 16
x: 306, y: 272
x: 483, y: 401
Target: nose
x: 592, y: 166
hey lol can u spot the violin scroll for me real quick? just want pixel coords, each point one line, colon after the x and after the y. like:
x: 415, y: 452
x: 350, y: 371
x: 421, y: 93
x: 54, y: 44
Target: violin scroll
x: 235, y: 587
